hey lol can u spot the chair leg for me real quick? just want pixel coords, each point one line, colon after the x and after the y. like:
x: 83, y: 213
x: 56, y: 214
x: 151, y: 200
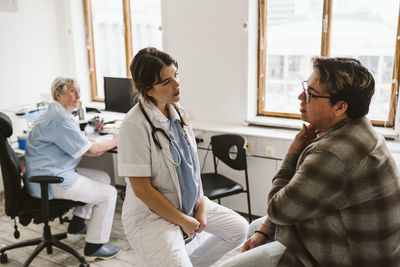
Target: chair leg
x: 60, y: 236
x: 36, y: 252
x: 68, y: 249
x: 42, y: 244
x: 219, y: 201
x: 26, y: 243
x: 248, y: 206
x: 54, y: 242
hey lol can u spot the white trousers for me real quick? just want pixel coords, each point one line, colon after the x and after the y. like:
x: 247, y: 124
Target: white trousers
x: 92, y: 187
x: 267, y: 255
x: 160, y: 243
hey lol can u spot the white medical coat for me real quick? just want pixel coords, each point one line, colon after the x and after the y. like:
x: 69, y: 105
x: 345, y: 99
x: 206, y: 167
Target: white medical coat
x: 139, y: 156
x: 156, y: 241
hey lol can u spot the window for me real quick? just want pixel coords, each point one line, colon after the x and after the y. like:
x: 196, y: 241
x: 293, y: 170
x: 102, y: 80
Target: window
x: 293, y: 31
x: 116, y: 30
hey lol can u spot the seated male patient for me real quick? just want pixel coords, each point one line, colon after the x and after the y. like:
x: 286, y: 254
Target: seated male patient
x: 55, y: 146
x: 336, y: 198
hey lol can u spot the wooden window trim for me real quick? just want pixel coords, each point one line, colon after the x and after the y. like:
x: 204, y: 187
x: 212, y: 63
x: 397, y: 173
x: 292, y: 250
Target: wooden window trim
x: 90, y: 50
x: 90, y: 44
x: 326, y: 28
x: 262, y: 55
x: 395, y: 79
x: 325, y: 51
x: 128, y: 35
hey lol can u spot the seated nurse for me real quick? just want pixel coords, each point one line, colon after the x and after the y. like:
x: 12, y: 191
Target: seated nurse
x: 55, y: 146
x: 164, y: 199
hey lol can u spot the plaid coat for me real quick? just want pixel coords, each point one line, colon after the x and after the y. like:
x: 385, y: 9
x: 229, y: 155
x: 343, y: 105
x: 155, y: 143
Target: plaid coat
x: 338, y: 202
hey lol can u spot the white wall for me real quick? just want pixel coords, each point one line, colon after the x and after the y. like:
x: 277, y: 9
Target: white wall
x: 38, y: 44
x: 46, y: 38
x: 40, y: 40
x: 211, y: 45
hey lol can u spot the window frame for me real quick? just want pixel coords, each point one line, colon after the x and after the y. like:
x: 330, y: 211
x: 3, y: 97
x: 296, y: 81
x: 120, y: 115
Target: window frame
x: 325, y: 51
x: 90, y: 44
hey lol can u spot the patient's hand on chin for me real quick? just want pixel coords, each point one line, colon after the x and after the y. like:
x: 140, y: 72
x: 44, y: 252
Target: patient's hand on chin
x: 304, y: 137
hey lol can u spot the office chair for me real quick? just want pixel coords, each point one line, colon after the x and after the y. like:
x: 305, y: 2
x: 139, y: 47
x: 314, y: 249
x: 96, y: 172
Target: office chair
x: 216, y: 185
x: 18, y: 203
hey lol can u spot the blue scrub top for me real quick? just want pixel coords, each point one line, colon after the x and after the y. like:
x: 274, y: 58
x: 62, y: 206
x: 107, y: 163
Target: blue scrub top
x: 55, y: 146
x: 186, y: 170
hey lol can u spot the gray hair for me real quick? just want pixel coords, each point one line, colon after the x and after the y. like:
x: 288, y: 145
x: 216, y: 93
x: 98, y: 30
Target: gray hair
x: 60, y: 85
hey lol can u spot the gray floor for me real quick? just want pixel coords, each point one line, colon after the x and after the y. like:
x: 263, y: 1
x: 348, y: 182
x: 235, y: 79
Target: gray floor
x: 17, y: 257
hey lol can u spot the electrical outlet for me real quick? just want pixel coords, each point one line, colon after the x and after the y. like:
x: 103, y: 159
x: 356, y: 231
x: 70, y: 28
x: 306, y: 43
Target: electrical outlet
x: 269, y: 151
x: 249, y: 146
x: 199, y: 139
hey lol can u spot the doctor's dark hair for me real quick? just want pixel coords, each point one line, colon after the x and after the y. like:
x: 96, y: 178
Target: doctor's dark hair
x: 348, y: 80
x: 146, y: 68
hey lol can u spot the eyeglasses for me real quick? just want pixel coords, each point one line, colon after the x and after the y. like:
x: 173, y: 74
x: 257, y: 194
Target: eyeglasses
x: 308, y: 95
x: 74, y: 91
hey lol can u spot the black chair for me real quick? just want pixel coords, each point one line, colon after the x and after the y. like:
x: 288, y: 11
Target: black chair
x: 231, y: 150
x: 18, y: 203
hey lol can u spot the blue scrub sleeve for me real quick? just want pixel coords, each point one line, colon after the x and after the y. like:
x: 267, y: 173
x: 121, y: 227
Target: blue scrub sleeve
x: 70, y: 138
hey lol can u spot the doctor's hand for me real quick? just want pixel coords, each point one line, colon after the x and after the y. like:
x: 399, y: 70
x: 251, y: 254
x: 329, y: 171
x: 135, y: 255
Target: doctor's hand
x: 190, y: 225
x: 201, y: 215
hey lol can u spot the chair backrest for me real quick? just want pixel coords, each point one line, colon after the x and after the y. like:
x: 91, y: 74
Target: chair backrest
x: 14, y: 194
x: 221, y: 148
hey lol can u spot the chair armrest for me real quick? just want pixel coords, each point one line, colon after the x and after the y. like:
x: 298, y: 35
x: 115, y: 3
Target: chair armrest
x: 46, y: 179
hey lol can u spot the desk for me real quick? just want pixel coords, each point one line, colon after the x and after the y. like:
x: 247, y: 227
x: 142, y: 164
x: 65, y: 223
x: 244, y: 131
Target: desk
x: 109, y: 116
x: 108, y: 161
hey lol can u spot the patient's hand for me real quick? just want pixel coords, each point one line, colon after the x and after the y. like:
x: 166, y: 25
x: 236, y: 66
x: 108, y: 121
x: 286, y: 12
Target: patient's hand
x: 302, y: 138
x: 254, y: 241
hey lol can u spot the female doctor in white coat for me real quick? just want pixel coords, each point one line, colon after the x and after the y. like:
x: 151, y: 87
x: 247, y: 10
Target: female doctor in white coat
x: 164, y: 199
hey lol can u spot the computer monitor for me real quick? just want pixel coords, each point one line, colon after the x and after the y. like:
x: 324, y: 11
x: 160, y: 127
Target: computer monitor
x: 118, y: 94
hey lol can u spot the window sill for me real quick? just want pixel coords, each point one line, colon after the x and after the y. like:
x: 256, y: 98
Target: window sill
x: 272, y: 127
x: 295, y: 124
x: 284, y: 123
x: 244, y: 129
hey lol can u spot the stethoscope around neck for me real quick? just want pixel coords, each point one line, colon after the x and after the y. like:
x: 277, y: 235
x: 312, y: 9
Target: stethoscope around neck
x: 155, y: 129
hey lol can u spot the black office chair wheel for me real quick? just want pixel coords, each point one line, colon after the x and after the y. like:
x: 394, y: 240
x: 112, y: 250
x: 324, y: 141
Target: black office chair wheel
x: 3, y: 258
x: 84, y: 264
x: 16, y: 232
